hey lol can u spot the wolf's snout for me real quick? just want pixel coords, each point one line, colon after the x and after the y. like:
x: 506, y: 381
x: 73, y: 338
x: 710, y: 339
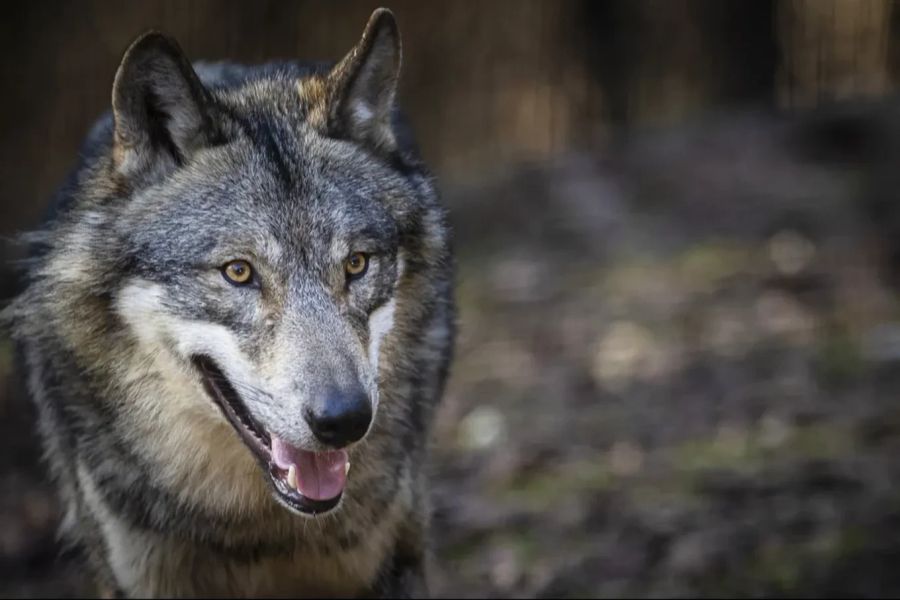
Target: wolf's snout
x: 341, y: 418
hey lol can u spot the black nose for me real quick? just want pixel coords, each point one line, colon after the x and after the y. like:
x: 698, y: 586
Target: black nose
x: 340, y: 418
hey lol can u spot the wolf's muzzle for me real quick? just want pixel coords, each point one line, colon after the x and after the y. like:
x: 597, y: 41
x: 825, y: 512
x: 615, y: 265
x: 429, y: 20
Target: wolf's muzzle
x: 340, y: 417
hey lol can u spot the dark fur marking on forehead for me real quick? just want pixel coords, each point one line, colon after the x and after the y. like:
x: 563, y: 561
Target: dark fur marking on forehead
x: 270, y: 139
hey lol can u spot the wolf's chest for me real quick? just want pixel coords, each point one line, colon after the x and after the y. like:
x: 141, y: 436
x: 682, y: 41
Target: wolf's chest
x: 307, y: 562
x: 150, y: 565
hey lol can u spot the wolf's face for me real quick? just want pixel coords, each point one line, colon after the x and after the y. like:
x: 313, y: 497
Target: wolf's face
x: 263, y: 235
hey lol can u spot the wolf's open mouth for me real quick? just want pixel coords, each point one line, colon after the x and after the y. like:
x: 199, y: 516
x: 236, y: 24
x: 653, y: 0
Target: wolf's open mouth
x: 308, y: 482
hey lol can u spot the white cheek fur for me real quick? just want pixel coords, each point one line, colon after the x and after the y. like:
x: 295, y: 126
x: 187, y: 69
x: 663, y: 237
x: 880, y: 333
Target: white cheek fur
x: 380, y: 324
x: 140, y: 305
x: 381, y: 321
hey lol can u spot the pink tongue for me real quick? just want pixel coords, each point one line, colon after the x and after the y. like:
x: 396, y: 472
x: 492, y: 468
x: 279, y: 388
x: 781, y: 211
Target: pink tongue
x: 320, y: 475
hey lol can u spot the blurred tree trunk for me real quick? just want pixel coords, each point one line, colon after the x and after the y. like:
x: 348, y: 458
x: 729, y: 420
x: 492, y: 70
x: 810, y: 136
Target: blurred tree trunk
x: 661, y: 61
x: 833, y: 50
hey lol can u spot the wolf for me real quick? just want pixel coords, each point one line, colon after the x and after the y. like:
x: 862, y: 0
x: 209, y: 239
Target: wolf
x: 237, y: 325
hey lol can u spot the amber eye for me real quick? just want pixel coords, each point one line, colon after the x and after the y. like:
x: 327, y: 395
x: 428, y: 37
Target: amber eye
x: 238, y: 272
x: 356, y: 264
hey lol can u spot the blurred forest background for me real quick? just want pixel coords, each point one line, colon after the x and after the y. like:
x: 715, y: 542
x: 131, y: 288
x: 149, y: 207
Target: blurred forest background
x: 679, y: 257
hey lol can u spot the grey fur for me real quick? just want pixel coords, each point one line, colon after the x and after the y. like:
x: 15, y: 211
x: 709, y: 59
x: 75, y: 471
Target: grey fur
x: 274, y: 165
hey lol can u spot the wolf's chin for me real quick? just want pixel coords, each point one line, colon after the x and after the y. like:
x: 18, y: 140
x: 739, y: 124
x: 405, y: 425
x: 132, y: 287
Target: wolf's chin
x: 288, y: 469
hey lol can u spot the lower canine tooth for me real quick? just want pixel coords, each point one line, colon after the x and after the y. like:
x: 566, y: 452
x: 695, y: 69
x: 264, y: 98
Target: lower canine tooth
x: 292, y: 477
x: 347, y: 468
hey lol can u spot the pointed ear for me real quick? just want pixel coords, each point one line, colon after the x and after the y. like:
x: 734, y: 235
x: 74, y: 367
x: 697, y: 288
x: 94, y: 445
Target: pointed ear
x: 363, y: 85
x: 161, y: 110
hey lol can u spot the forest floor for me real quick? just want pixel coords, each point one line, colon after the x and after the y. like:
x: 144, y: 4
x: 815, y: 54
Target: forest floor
x: 677, y: 375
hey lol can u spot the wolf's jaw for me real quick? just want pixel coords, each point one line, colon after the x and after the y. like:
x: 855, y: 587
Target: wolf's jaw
x: 304, y: 481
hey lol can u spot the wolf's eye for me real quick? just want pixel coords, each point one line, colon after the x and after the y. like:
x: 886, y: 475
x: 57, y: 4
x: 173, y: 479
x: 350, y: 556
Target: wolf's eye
x: 238, y: 272
x: 356, y: 264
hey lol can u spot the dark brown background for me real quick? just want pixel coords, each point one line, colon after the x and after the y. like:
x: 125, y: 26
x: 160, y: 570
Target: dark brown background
x: 678, y: 241
x: 485, y: 85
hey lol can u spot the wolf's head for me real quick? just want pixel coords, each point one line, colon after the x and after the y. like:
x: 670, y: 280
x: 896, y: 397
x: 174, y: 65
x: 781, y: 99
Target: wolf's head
x: 260, y: 234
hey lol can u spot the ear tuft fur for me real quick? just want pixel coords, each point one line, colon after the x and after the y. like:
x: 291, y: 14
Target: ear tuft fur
x: 363, y: 85
x: 161, y: 110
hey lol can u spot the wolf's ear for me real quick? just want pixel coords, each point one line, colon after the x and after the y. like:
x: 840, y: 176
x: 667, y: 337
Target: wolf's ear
x: 363, y: 85
x: 161, y: 110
